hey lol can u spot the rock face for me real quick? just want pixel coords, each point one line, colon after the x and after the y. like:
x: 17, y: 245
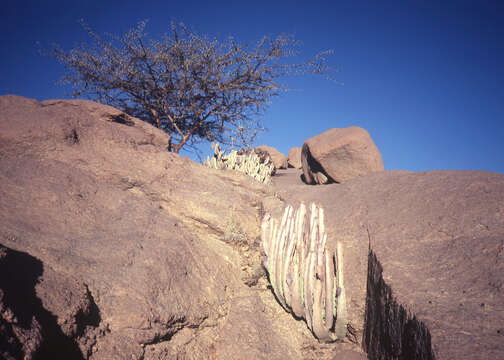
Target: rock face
x: 294, y: 158
x: 19, y: 335
x: 423, y: 259
x: 340, y: 155
x: 279, y: 159
x: 114, y: 248
x: 28, y: 326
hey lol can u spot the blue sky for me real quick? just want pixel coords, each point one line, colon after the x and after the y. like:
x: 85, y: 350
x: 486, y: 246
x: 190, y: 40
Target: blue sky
x: 425, y: 78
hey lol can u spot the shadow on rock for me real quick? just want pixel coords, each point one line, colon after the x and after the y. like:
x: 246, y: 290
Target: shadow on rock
x: 20, y: 274
x: 391, y: 331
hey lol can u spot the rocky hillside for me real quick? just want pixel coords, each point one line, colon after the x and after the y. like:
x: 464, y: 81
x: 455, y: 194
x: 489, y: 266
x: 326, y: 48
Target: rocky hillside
x: 424, y: 259
x: 113, y: 248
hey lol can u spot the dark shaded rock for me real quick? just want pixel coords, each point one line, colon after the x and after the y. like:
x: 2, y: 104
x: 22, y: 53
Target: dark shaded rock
x: 27, y: 329
x: 77, y: 315
x: 20, y: 331
x: 391, y: 331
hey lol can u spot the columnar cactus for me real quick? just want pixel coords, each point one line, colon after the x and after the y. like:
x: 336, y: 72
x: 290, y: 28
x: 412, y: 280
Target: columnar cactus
x: 249, y: 164
x: 306, y: 278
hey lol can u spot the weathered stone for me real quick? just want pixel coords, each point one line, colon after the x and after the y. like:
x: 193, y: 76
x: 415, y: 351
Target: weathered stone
x: 279, y: 159
x: 20, y: 329
x: 124, y: 249
x: 423, y: 259
x: 119, y: 248
x: 341, y: 154
x: 294, y: 158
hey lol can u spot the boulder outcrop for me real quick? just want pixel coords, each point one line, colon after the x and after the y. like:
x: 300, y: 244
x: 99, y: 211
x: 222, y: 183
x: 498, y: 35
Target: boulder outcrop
x: 294, y: 158
x: 278, y: 159
x: 339, y: 155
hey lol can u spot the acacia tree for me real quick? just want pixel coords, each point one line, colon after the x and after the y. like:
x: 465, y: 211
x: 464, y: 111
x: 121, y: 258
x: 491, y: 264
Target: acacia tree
x: 192, y: 87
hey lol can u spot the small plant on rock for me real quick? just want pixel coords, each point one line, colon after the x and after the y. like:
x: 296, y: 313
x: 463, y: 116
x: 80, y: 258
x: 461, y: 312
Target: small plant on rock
x: 249, y: 162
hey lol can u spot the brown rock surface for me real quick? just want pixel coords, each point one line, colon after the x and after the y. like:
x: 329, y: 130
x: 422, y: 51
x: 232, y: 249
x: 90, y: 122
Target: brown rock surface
x: 340, y: 154
x: 278, y: 159
x: 294, y: 158
x: 434, y: 280
x: 117, y: 249
x: 131, y: 251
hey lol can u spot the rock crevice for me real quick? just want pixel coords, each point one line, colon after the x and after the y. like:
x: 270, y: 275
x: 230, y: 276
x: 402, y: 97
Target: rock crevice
x: 390, y: 330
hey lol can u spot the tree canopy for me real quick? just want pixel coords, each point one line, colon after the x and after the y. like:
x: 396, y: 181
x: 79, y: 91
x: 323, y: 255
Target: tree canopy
x: 191, y: 86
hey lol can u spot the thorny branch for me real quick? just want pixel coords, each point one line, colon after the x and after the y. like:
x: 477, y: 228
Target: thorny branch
x: 193, y: 87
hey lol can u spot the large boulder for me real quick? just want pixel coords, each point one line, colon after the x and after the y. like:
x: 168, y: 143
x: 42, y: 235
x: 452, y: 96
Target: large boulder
x: 279, y: 160
x: 294, y: 158
x: 338, y: 155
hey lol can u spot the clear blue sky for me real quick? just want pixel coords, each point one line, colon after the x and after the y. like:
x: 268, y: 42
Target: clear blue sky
x: 425, y: 78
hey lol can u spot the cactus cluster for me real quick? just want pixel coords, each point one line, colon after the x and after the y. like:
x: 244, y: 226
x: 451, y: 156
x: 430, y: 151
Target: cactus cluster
x: 306, y: 278
x: 249, y: 163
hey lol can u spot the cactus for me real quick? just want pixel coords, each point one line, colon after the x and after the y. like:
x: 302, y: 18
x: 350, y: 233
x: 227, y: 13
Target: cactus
x: 248, y: 163
x: 305, y: 277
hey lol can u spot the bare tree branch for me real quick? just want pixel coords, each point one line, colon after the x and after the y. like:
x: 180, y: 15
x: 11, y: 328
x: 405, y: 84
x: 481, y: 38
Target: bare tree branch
x: 190, y: 86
